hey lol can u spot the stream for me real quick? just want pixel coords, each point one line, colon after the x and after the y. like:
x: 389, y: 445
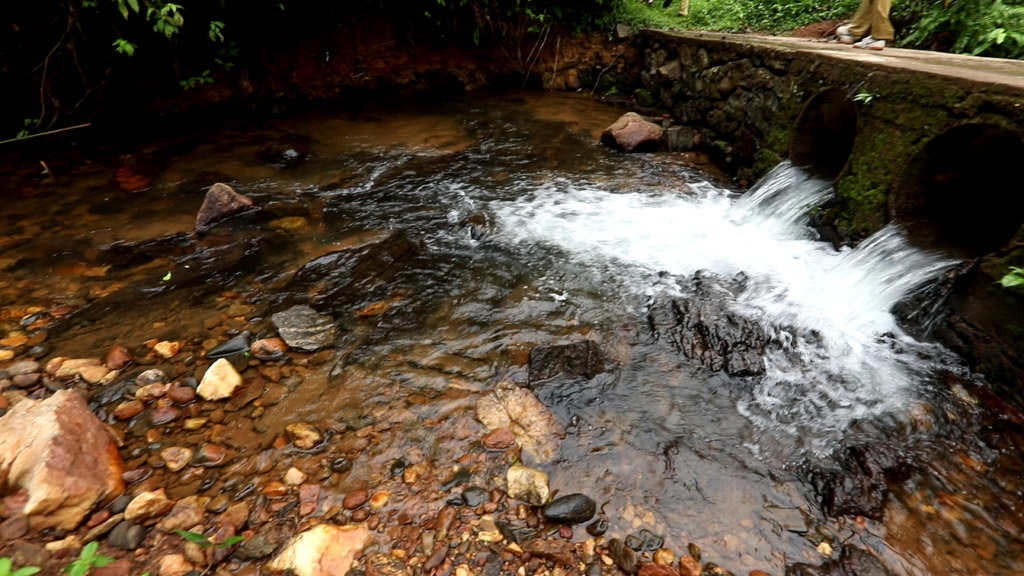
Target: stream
x: 488, y: 227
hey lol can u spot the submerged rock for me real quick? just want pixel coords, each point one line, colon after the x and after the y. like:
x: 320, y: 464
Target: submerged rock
x: 59, y: 452
x: 704, y: 327
x: 536, y: 428
x: 579, y: 359
x: 860, y: 484
x: 851, y: 562
x: 303, y: 328
x: 221, y: 201
x: 325, y: 550
x: 632, y: 133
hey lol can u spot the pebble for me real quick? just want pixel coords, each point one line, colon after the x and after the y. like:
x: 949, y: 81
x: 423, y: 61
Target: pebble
x: 217, y: 504
x: 689, y: 566
x: 527, y: 484
x: 176, y: 457
x: 191, y: 424
x: 127, y: 536
x: 623, y: 556
x: 151, y: 376
x: 665, y: 557
x: 93, y: 374
x: 148, y: 505
x: 26, y: 380
x: 128, y: 410
x: 269, y: 349
x: 354, y: 499
x: 499, y: 439
x: 22, y: 368
x: 164, y: 415
x: 303, y: 435
x: 151, y: 392
x: 474, y: 496
x: 211, y: 456
x: 181, y: 395
x: 293, y: 477
x: 167, y: 349
x: 118, y: 357
x: 570, y: 509
x: 379, y: 500
x: 654, y: 569
x: 220, y: 381
x: 274, y: 490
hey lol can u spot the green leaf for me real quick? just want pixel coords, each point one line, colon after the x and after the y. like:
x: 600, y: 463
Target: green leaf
x: 231, y: 541
x: 166, y: 277
x: 1013, y: 278
x: 26, y: 571
x: 134, y: 4
x: 194, y: 537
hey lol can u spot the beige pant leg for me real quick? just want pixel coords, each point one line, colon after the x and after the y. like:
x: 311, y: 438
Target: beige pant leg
x: 684, y: 7
x: 872, y: 18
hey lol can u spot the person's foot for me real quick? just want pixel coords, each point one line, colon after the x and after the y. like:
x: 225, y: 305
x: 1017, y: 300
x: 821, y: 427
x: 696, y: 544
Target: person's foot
x: 844, y: 36
x: 869, y: 43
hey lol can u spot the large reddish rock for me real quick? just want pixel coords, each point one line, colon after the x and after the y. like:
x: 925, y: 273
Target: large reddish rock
x: 632, y: 133
x: 221, y: 201
x: 61, y: 454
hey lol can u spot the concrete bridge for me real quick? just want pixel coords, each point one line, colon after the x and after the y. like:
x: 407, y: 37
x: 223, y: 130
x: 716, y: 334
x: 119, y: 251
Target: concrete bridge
x: 933, y: 141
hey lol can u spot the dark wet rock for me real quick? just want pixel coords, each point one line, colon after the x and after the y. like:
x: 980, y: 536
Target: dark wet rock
x: 182, y: 395
x: 237, y: 345
x: 704, y: 327
x: 598, y: 527
x: 164, y: 415
x: 570, y: 509
x: 851, y: 562
x: 579, y: 359
x: 355, y: 499
x: 127, y: 536
x: 712, y: 569
x: 649, y: 541
x: 558, y: 551
x: 859, y: 485
x: 287, y: 153
x: 513, y: 533
x: 460, y: 477
x: 632, y: 133
x: 221, y: 202
x: 341, y: 465
x: 436, y: 557
x: 211, y: 456
x: 475, y: 496
x: 304, y: 328
x: 117, y: 358
x: 623, y: 556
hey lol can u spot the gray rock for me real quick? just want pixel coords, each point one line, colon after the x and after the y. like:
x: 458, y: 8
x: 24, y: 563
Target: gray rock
x: 303, y: 328
x: 260, y: 546
x: 582, y: 359
x: 851, y: 561
x: 570, y: 509
x: 21, y: 368
x: 127, y: 536
x: 221, y: 201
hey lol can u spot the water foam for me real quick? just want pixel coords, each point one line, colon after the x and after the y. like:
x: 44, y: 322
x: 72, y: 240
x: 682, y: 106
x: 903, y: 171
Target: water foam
x: 839, y: 354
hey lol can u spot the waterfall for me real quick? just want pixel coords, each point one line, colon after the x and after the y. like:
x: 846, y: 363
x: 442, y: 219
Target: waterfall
x: 838, y: 354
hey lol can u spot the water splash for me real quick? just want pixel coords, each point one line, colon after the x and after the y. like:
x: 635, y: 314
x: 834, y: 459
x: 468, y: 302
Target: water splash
x: 838, y: 354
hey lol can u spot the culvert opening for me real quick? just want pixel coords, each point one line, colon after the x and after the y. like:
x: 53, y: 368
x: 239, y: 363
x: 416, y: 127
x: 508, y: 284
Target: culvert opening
x: 962, y: 192
x: 824, y: 133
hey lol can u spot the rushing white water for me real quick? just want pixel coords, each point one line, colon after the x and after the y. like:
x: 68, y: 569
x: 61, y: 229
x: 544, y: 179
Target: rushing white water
x: 838, y: 354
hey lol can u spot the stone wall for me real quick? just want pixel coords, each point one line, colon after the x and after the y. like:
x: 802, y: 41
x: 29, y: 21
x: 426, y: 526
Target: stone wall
x: 931, y: 141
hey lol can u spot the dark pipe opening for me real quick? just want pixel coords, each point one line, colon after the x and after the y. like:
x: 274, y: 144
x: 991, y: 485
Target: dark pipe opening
x: 962, y: 192
x: 824, y: 133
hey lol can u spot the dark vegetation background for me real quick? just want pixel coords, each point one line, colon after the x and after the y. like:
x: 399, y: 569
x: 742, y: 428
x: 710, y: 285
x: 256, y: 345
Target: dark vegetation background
x: 73, y: 61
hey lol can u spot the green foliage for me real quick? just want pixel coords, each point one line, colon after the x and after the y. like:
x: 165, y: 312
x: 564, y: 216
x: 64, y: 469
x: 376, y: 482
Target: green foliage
x: 202, y: 540
x: 1013, y: 279
x: 6, y: 565
x: 864, y: 97
x: 193, y: 81
x: 87, y: 560
x: 979, y: 27
x: 124, y: 47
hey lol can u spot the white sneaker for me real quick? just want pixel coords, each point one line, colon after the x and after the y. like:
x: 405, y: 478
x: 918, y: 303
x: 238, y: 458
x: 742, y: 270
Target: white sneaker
x: 870, y: 43
x: 844, y: 36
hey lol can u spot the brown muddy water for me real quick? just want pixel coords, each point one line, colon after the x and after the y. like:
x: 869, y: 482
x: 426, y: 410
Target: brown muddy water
x: 482, y: 229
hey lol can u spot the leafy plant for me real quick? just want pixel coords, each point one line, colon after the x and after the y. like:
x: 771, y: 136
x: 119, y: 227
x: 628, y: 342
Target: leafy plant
x: 124, y: 47
x: 192, y: 82
x: 203, y: 541
x: 1014, y: 278
x: 864, y: 97
x: 6, y: 565
x: 87, y: 560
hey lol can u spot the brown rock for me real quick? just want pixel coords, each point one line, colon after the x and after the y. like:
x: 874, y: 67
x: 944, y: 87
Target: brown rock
x: 65, y: 478
x: 309, y: 499
x: 147, y: 506
x: 689, y: 566
x: 759, y: 573
x: 211, y: 456
x: 187, y: 513
x: 128, y: 410
x: 354, y: 499
x: 268, y: 348
x: 324, y: 550
x: 653, y: 569
x: 166, y: 349
x: 236, y: 515
x: 164, y: 415
x: 631, y: 133
x: 304, y: 435
x: 499, y: 439
x: 118, y: 357
x: 181, y: 395
x: 221, y: 201
x: 93, y: 374
x: 385, y: 565
x: 176, y: 457
x: 175, y: 565
x: 275, y: 490
x: 559, y: 551
x: 151, y: 392
x: 122, y: 567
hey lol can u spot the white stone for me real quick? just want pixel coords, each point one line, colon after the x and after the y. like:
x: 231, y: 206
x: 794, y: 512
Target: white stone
x: 324, y: 550
x: 528, y: 484
x: 220, y: 381
x: 147, y: 506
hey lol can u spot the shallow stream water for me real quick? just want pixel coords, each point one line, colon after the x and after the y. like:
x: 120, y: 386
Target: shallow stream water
x: 506, y: 226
